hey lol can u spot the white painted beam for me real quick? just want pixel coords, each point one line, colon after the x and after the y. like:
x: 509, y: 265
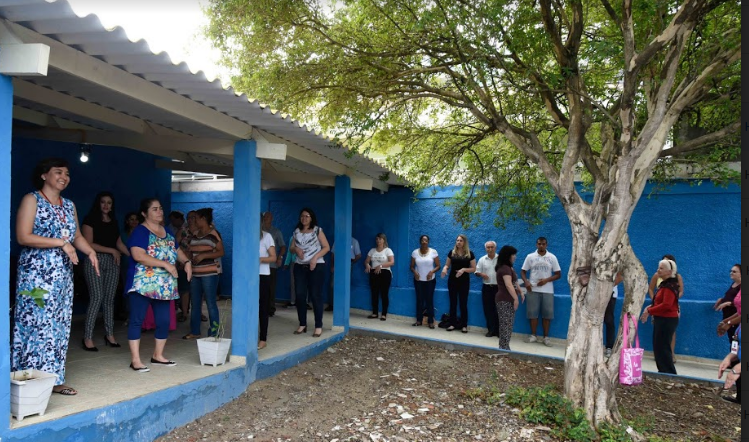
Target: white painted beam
x: 24, y: 59
x: 191, y: 166
x: 100, y: 73
x: 298, y: 178
x: 267, y: 150
x: 42, y: 95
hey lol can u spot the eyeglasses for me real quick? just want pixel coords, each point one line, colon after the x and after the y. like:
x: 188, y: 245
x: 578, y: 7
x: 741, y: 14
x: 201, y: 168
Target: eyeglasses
x: 734, y: 271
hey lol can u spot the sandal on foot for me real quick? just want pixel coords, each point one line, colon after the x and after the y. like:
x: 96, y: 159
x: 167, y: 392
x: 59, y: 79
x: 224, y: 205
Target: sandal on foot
x: 431, y: 326
x: 451, y: 328
x: 372, y: 316
x: 416, y: 324
x: 191, y: 336
x: 66, y: 391
x: 464, y: 330
x: 383, y: 318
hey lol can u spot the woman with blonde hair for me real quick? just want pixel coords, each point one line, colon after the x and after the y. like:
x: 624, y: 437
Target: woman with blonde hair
x: 378, y: 263
x: 460, y: 262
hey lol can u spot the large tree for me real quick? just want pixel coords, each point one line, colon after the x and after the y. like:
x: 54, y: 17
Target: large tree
x: 499, y: 94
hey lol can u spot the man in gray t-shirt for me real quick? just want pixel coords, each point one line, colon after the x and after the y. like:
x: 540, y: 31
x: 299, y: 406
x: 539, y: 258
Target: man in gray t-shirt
x: 280, y: 250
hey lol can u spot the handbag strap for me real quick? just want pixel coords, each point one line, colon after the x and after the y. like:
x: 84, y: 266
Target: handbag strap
x: 625, y: 332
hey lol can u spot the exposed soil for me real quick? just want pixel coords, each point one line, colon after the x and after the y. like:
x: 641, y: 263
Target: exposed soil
x: 371, y: 389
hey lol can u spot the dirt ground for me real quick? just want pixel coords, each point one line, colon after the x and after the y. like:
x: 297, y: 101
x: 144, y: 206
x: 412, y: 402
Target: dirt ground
x: 371, y: 389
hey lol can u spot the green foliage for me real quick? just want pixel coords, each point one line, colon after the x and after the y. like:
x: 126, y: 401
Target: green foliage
x: 478, y: 93
x: 36, y: 294
x: 546, y: 406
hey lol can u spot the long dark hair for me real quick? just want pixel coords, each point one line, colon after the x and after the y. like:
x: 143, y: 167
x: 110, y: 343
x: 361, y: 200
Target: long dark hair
x: 504, y: 255
x: 312, y: 219
x: 95, y: 212
x: 207, y: 213
x: 44, y: 166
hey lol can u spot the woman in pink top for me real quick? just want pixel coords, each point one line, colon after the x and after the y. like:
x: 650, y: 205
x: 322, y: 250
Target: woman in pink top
x: 729, y: 306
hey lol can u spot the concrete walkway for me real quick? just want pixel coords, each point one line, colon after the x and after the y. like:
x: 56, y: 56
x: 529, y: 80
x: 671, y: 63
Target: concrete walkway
x: 103, y: 378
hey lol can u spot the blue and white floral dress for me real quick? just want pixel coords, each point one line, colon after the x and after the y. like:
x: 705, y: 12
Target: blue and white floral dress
x: 41, y: 335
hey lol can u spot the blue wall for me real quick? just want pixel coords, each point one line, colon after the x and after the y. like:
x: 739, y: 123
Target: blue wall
x: 699, y: 225
x: 130, y: 175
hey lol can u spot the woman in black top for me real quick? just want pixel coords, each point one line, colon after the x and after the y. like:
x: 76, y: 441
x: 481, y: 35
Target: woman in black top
x: 101, y: 231
x: 460, y: 261
x: 725, y: 304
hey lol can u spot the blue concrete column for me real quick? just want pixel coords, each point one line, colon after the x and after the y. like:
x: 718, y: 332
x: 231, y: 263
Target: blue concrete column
x: 342, y: 277
x: 245, y: 260
x: 6, y: 123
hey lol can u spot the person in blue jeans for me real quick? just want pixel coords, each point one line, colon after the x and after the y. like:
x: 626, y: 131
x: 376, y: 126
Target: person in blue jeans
x: 309, y: 245
x: 206, y: 250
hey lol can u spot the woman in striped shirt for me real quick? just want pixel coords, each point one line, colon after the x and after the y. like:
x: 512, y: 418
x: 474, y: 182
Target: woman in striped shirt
x: 206, y: 250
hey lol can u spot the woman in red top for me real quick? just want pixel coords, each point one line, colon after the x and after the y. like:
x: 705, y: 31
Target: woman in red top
x: 665, y: 312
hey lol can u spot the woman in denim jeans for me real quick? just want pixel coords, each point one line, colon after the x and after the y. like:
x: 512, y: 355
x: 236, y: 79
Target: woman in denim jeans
x: 206, y: 249
x: 309, y: 246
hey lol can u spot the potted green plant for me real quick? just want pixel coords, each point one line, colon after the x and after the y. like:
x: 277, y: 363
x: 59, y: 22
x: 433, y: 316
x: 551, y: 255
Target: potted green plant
x: 30, y: 389
x: 214, y: 349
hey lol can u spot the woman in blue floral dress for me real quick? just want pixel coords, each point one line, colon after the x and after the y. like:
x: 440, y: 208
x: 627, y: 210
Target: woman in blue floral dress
x: 47, y: 229
x: 152, y: 281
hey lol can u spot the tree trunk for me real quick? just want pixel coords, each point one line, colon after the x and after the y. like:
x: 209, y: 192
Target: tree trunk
x: 590, y: 381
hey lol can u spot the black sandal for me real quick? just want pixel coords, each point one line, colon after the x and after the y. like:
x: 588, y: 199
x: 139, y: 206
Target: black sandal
x: 416, y: 324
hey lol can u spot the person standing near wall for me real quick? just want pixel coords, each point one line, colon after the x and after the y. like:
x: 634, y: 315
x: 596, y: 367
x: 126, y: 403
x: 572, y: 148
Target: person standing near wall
x: 665, y: 312
x: 101, y: 231
x: 310, y: 245
x: 267, y: 256
x: 425, y: 262
x: 485, y: 269
x: 655, y: 282
x: 726, y: 303
x: 608, y: 317
x: 544, y: 268
x: 280, y: 245
x: 355, y: 256
x: 460, y: 261
x: 46, y: 229
x: 507, y: 295
x: 377, y: 265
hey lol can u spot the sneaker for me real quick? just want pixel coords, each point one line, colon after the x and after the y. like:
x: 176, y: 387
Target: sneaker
x: 532, y: 339
x: 547, y: 341
x: 607, y: 354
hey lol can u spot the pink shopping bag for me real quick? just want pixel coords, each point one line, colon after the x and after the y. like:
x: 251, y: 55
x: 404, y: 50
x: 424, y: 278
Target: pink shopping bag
x: 630, y: 359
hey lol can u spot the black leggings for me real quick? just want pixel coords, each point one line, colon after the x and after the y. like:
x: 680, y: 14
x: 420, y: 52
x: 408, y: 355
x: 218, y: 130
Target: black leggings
x: 458, y: 288
x: 379, y: 283
x: 663, y: 333
x: 608, y: 319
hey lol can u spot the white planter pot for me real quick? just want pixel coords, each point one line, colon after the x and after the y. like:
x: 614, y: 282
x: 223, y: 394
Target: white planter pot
x: 29, y: 394
x: 213, y: 352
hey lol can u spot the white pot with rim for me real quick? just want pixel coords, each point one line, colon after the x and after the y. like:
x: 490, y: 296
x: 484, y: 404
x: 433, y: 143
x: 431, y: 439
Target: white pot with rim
x: 212, y: 351
x: 29, y: 392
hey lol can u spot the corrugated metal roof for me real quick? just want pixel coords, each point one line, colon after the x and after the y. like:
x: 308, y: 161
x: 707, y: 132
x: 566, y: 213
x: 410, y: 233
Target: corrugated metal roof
x: 57, y: 21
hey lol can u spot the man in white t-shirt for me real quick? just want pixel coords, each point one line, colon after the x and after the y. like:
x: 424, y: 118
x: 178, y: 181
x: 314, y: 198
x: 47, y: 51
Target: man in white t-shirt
x: 485, y: 269
x: 355, y: 256
x: 544, y: 268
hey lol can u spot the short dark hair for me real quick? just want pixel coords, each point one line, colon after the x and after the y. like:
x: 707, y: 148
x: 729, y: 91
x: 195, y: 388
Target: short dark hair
x: 312, y: 218
x: 127, y: 216
x: 176, y: 214
x: 542, y: 238
x: 424, y: 236
x: 44, y: 166
x: 504, y: 255
x: 145, y: 203
x: 207, y: 213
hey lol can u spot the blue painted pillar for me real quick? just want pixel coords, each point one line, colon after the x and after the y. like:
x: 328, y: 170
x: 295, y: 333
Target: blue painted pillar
x: 342, y: 277
x: 246, y: 260
x: 6, y: 123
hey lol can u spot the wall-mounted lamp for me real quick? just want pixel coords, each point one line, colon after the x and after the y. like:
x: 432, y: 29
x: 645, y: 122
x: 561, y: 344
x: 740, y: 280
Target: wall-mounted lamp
x: 85, y: 152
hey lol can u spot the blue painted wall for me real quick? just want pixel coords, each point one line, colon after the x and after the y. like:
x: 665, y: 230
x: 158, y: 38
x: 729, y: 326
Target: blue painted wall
x: 130, y: 175
x: 699, y: 225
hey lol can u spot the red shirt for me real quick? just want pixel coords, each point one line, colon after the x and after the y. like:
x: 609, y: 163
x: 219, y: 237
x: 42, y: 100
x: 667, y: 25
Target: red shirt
x: 665, y: 304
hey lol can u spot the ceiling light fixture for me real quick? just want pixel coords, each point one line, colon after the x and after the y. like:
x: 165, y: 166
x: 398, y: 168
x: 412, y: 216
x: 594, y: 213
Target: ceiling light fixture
x: 85, y: 152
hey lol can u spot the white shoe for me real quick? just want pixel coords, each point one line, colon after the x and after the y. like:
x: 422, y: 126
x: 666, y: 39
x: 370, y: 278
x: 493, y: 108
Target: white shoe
x: 607, y: 354
x: 547, y: 341
x: 532, y: 339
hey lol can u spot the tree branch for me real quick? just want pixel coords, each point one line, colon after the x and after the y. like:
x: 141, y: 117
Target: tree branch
x: 700, y: 142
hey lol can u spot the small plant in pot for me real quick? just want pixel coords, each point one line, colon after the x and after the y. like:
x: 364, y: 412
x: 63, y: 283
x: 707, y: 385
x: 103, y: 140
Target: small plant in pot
x: 214, y: 349
x: 30, y: 389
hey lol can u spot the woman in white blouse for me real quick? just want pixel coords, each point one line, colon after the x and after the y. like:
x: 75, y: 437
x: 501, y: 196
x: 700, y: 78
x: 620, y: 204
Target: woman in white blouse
x: 267, y: 256
x: 425, y: 262
x: 310, y: 245
x: 378, y: 263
